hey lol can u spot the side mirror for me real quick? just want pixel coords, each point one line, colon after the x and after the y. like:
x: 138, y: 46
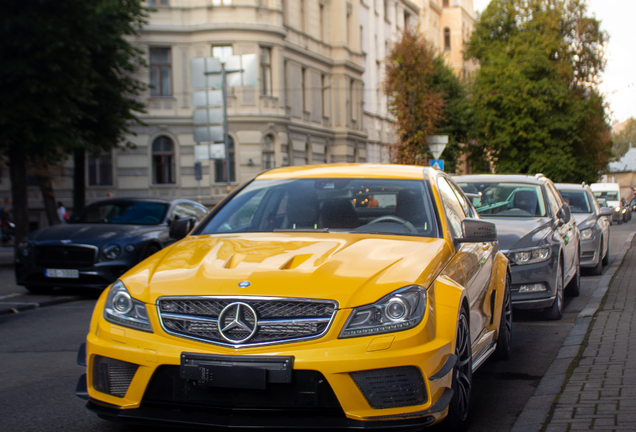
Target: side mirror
x: 478, y: 231
x: 564, y: 213
x: 180, y: 228
x: 606, y: 211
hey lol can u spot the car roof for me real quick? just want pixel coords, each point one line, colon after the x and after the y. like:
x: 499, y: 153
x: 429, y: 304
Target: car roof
x: 349, y: 170
x: 564, y: 186
x: 486, y: 178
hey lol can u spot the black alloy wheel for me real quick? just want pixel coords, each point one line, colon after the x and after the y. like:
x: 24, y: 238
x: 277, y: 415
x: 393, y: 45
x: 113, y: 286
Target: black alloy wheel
x: 459, y: 407
x: 504, y: 341
x: 555, y: 312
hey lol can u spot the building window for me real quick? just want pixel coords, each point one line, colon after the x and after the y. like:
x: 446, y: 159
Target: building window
x: 407, y: 20
x: 303, y: 88
x: 220, y: 167
x: 445, y: 3
x: 302, y: 15
x: 386, y: 10
x: 447, y: 39
x: 221, y: 2
x: 322, y: 22
x: 162, y: 161
x: 160, y: 72
x: 308, y: 153
x: 268, y: 152
x: 158, y: 2
x: 266, y: 71
x: 100, y: 169
x: 222, y: 52
x: 324, y: 88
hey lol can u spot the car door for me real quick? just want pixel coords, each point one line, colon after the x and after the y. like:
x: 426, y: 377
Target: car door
x: 477, y: 269
x: 567, y: 232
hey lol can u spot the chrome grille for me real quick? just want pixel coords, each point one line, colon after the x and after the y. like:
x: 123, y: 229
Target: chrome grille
x: 278, y: 320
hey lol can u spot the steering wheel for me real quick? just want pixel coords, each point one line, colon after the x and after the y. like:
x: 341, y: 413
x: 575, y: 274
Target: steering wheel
x: 390, y: 218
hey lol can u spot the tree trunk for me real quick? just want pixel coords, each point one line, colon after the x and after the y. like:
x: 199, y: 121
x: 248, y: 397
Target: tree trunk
x: 17, y: 160
x: 45, y: 182
x: 79, y: 180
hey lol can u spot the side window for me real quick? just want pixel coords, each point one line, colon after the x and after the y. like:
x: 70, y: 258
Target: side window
x: 469, y: 210
x: 452, y: 207
x: 552, y: 201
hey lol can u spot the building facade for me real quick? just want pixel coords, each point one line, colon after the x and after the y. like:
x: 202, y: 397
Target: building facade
x: 318, y: 97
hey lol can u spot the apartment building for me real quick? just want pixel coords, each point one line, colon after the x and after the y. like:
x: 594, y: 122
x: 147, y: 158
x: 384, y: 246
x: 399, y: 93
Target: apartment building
x: 318, y: 97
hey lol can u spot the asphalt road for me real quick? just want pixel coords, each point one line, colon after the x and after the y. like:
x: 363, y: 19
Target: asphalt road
x: 38, y: 372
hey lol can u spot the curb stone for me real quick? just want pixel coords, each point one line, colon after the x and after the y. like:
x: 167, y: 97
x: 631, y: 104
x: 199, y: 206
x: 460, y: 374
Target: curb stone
x: 538, y: 407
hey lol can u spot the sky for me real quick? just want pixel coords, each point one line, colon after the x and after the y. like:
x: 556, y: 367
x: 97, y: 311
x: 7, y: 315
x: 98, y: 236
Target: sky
x: 619, y: 78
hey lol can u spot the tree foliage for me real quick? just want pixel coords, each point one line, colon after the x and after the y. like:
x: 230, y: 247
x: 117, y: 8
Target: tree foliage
x: 67, y: 70
x: 624, y: 139
x: 535, y: 99
x: 416, y: 106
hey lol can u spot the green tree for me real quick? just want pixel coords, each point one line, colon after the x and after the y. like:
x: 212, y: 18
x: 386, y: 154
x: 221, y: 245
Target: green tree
x: 67, y: 70
x: 623, y: 140
x: 457, y: 116
x: 416, y: 106
x: 535, y: 99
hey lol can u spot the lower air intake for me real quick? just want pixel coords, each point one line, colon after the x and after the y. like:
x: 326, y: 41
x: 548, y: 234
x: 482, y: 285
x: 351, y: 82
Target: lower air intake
x: 392, y: 387
x: 112, y: 376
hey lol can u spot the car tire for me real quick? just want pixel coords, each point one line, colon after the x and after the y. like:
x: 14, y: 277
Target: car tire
x: 606, y: 257
x: 504, y: 341
x: 38, y: 289
x: 151, y: 249
x: 555, y: 312
x: 459, y: 408
x: 574, y: 287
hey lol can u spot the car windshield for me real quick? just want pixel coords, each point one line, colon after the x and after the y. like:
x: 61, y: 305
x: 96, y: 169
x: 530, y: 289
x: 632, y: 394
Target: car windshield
x: 381, y: 206
x: 608, y: 195
x: 506, y: 199
x: 577, y: 200
x: 122, y: 212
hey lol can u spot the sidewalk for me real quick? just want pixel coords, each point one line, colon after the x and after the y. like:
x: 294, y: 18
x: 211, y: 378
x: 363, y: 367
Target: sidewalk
x: 600, y: 393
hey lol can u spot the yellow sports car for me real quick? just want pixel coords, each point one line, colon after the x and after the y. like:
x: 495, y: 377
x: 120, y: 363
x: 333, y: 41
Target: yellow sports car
x: 351, y: 296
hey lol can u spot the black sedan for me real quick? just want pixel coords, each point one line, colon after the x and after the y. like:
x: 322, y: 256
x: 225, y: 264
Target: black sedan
x: 537, y: 233
x: 99, y: 243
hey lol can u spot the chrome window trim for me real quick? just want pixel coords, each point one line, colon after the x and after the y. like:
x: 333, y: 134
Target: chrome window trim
x: 330, y: 320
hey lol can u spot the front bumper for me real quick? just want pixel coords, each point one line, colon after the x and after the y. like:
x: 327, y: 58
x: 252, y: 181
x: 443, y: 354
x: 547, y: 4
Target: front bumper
x: 541, y: 273
x: 98, y: 276
x: 334, y: 359
x: 590, y: 251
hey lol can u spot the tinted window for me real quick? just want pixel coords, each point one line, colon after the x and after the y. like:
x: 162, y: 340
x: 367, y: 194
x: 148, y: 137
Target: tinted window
x: 577, y: 200
x: 381, y: 206
x: 122, y: 212
x: 501, y: 199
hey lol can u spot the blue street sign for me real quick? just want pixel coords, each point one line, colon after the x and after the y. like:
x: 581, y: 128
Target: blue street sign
x: 436, y: 163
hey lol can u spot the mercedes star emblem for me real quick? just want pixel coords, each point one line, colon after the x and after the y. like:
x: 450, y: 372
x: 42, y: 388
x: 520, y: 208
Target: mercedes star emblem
x: 237, y: 322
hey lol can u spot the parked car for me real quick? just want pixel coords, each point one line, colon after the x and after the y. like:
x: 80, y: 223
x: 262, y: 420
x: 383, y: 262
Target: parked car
x: 99, y: 243
x: 536, y: 232
x: 592, y: 222
x: 295, y: 304
x: 611, y: 192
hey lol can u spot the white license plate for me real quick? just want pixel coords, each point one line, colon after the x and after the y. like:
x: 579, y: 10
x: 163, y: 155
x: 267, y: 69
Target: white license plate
x: 62, y: 273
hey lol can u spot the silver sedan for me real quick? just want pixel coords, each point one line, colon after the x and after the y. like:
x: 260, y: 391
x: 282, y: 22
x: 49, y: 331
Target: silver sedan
x: 593, y: 223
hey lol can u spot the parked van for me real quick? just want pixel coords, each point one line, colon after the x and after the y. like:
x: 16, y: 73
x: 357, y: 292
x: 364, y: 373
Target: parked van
x: 611, y: 192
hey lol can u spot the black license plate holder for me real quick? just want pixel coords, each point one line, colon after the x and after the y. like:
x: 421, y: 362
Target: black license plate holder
x: 246, y: 372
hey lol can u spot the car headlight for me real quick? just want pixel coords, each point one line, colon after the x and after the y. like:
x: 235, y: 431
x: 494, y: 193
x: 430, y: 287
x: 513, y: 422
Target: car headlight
x: 617, y: 209
x: 400, y: 310
x: 529, y: 256
x: 112, y: 251
x: 124, y: 310
x: 586, y: 234
x: 24, y: 248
